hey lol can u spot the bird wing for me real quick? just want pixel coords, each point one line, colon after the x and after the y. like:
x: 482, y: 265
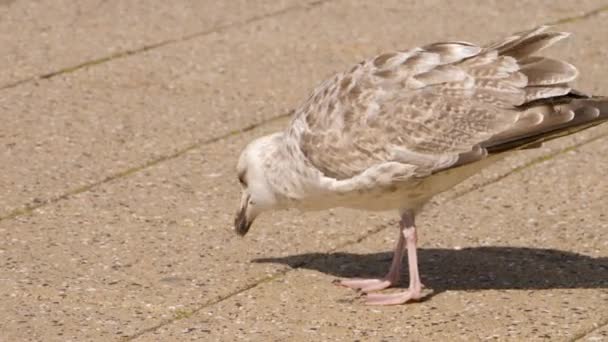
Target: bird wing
x: 428, y: 108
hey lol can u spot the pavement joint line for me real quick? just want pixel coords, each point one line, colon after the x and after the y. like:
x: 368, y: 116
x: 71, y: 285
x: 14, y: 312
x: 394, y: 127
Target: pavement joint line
x: 29, y: 207
x: 220, y: 28
x: 583, y: 334
x: 533, y: 162
x: 580, y: 17
x: 366, y: 235
x: 279, y: 274
x: 142, y: 49
x: 189, y: 313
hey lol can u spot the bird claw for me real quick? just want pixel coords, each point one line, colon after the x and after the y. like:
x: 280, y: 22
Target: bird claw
x: 393, y: 298
x: 365, y: 285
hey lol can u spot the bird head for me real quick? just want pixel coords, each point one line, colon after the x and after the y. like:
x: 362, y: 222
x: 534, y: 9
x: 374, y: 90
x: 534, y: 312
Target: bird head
x: 257, y: 195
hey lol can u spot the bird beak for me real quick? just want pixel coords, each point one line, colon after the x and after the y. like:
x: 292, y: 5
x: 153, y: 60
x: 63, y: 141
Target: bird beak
x: 242, y: 222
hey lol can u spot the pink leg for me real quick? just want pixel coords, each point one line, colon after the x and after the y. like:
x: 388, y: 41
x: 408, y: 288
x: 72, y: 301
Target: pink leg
x: 408, y: 229
x: 390, y: 279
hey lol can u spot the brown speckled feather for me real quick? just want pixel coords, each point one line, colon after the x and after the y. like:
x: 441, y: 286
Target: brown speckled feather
x: 433, y: 107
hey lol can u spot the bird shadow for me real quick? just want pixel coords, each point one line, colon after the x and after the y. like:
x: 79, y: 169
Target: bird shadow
x: 479, y: 268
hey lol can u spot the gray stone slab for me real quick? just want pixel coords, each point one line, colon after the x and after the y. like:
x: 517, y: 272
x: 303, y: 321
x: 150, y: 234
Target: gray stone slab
x: 38, y: 38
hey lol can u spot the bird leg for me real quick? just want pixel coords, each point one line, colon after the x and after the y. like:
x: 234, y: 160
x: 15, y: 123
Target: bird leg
x: 408, y: 230
x: 390, y: 279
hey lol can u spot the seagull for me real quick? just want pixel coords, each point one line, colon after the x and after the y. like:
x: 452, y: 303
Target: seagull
x: 396, y: 129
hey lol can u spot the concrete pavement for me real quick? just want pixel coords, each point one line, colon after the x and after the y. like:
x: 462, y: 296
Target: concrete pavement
x: 118, y: 186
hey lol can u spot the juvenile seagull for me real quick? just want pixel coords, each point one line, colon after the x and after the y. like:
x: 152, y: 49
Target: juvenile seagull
x: 401, y: 127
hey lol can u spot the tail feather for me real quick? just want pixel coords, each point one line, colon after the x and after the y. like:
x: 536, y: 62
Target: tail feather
x: 506, y: 44
x: 535, y: 93
x: 551, y: 109
x: 536, y: 41
x: 544, y: 71
x: 545, y: 77
x: 549, y: 119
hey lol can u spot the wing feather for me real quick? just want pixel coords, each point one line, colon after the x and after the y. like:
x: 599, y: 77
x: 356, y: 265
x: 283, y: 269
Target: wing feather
x: 429, y: 108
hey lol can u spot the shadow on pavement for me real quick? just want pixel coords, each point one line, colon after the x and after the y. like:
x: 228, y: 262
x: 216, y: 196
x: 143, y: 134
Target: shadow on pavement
x: 479, y: 268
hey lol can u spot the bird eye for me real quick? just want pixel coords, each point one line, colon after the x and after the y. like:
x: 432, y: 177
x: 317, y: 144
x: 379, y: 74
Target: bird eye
x: 242, y: 179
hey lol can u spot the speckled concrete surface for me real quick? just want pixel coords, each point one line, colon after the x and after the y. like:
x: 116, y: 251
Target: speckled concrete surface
x: 38, y: 38
x: 600, y: 334
x: 42, y: 37
x: 147, y: 253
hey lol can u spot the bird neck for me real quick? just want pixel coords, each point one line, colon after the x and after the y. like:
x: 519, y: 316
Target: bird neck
x: 288, y: 171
